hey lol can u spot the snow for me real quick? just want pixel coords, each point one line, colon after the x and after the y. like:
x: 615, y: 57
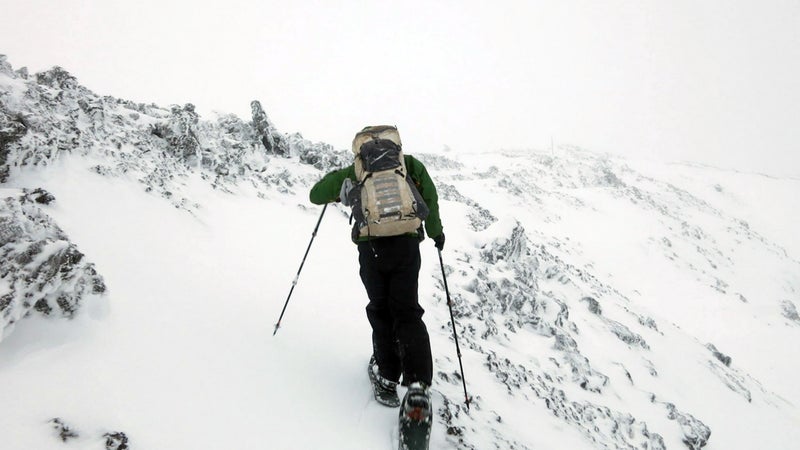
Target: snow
x: 180, y: 352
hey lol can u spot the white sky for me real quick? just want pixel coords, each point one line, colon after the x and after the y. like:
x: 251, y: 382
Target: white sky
x: 710, y: 81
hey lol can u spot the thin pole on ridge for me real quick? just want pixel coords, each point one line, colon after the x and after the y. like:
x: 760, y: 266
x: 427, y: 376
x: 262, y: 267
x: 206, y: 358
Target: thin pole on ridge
x: 294, y: 283
x: 467, y: 400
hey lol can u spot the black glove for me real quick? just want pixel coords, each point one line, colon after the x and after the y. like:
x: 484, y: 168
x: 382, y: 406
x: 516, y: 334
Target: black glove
x: 439, y: 241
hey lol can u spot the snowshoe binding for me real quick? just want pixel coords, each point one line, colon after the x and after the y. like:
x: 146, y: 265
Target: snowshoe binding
x: 415, y: 418
x: 385, y: 390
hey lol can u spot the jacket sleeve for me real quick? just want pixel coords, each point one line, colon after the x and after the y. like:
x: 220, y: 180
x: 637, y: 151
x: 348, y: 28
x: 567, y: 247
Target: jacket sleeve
x: 426, y: 188
x: 327, y: 189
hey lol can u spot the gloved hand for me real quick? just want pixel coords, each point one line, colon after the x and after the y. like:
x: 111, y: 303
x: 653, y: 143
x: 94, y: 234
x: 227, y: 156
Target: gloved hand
x: 439, y: 241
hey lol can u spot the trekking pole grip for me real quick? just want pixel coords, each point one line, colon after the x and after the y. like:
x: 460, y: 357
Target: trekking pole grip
x: 467, y: 400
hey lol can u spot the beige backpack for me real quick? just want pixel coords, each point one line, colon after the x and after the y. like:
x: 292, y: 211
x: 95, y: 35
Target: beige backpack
x: 385, y: 201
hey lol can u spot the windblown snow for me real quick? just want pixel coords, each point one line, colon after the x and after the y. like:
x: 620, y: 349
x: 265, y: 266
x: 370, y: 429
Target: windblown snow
x: 599, y: 302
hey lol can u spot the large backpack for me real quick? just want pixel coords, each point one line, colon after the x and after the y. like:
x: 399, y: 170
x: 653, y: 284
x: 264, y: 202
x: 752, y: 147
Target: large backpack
x: 385, y: 201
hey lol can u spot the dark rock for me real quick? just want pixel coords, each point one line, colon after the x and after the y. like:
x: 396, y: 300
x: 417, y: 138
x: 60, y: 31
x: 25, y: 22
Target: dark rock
x: 57, y: 78
x: 648, y: 322
x: 38, y: 195
x: 695, y: 433
x: 43, y: 307
x: 723, y: 358
x: 273, y: 142
x: 789, y: 311
x: 322, y: 156
x: 63, y: 431
x: 116, y: 441
x: 180, y: 131
x: 5, y: 301
x: 593, y: 305
x: 626, y: 335
x: 12, y: 128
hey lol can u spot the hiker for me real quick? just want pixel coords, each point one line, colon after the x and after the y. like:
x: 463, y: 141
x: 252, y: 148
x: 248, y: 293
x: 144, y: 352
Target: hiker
x: 388, y: 238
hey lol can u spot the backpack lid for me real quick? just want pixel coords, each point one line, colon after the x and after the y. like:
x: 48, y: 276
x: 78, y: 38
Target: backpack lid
x: 368, y: 134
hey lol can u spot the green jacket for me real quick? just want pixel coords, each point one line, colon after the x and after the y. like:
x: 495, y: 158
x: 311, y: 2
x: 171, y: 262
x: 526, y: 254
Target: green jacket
x: 327, y: 190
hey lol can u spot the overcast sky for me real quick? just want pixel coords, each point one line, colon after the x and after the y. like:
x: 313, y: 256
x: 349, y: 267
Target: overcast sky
x: 712, y: 81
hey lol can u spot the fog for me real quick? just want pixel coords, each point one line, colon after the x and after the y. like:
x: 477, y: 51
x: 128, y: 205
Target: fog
x: 713, y: 82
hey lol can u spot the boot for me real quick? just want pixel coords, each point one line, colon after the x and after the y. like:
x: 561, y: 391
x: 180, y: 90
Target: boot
x: 385, y: 391
x: 415, y: 418
x: 417, y: 402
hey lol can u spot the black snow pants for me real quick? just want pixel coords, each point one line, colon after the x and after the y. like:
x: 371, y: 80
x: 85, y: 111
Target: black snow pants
x: 400, y: 342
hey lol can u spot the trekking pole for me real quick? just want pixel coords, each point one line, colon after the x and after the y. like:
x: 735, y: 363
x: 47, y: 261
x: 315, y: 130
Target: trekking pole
x: 294, y: 283
x: 455, y: 336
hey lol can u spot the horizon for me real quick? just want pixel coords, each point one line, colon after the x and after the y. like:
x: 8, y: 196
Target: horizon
x: 711, y: 84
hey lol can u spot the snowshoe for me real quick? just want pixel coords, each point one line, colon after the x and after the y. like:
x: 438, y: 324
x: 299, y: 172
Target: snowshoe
x: 415, y: 418
x: 385, y: 391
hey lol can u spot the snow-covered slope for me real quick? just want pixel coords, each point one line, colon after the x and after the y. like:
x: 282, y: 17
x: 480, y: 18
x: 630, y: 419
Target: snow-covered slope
x: 599, y: 302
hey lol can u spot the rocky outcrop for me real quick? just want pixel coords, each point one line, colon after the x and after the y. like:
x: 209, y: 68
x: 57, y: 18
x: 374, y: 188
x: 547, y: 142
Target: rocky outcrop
x: 51, y: 114
x: 180, y: 133
x: 273, y: 142
x: 42, y: 271
x: 695, y: 433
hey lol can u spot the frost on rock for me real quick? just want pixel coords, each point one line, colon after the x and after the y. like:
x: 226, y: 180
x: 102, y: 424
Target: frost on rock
x: 789, y: 311
x: 695, y: 433
x: 511, y: 250
x: 479, y: 217
x: 723, y: 358
x: 603, y: 426
x: 180, y: 133
x: 63, y: 431
x: 512, y: 292
x: 42, y: 271
x: 273, y: 142
x: 732, y: 379
x: 116, y: 441
x: 593, y: 305
x: 508, y: 288
x: 506, y: 282
x: 50, y: 114
x: 57, y: 78
x: 625, y: 334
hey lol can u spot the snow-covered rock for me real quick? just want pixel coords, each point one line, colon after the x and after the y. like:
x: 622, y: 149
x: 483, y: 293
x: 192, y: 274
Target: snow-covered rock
x: 42, y: 271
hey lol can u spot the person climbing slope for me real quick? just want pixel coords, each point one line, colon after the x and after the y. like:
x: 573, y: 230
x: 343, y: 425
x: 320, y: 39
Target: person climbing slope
x: 392, y: 198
